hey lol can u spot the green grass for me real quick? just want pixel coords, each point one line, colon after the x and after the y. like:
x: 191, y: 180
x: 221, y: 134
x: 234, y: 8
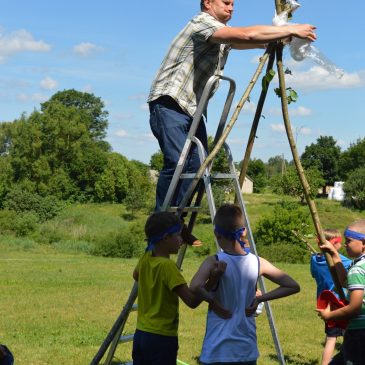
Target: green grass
x: 57, y: 309
x: 58, y: 303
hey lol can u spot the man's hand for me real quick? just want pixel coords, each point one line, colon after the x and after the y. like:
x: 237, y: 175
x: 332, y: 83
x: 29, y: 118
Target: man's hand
x: 304, y: 31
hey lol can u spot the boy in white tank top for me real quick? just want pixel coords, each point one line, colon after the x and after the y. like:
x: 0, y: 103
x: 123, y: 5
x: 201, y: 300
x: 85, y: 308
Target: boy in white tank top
x: 233, y: 340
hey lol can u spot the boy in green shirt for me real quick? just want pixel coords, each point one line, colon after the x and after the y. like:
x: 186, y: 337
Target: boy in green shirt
x: 160, y: 284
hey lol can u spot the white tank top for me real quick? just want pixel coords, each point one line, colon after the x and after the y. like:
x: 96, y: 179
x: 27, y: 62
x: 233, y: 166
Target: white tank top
x: 234, y: 339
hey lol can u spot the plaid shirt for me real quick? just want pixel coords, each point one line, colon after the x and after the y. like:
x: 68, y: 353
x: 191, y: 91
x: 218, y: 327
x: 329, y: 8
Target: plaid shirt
x: 189, y: 63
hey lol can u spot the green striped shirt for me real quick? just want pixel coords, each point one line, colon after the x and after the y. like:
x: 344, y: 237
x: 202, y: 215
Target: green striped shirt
x: 356, y: 281
x: 189, y: 63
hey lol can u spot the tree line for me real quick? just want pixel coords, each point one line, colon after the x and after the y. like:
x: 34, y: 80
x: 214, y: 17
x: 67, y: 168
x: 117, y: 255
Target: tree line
x: 59, y: 154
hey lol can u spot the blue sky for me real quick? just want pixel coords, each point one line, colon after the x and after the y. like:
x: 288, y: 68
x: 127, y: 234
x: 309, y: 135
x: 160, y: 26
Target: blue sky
x: 113, y: 49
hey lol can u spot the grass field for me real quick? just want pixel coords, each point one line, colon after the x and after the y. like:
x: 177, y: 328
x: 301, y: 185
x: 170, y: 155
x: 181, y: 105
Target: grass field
x: 57, y: 309
x: 57, y: 305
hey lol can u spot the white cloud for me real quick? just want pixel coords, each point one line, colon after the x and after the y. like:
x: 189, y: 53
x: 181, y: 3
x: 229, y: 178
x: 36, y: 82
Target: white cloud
x: 300, y: 111
x: 20, y: 41
x: 121, y: 133
x: 144, y: 106
x: 49, y: 84
x: 36, y: 97
x: 278, y: 127
x: 305, y: 131
x: 320, y: 79
x: 137, y: 97
x: 87, y: 89
x: 85, y: 49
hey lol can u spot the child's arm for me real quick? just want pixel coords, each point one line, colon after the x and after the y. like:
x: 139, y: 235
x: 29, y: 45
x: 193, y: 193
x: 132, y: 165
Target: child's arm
x: 340, y: 268
x: 206, y: 279
x: 135, y: 274
x: 287, y: 285
x: 347, y: 312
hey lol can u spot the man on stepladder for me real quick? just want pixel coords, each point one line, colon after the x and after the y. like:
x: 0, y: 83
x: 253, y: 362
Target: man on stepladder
x: 199, y: 51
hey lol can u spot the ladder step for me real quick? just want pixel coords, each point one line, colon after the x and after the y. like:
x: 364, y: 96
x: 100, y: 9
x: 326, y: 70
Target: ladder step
x: 186, y: 209
x: 216, y: 175
x: 126, y: 338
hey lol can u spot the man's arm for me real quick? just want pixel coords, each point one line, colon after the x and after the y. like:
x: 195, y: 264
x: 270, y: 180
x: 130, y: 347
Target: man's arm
x: 258, y: 35
x: 347, y: 312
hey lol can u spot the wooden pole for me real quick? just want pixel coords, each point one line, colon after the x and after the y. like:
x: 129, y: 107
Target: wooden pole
x: 300, y: 171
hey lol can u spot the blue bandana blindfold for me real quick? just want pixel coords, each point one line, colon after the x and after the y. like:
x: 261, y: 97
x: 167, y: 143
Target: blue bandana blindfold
x: 235, y: 235
x: 354, y: 235
x: 153, y: 240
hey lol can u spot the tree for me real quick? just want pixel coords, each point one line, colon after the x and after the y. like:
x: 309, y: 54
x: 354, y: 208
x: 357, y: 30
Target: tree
x: 352, y: 158
x: 156, y: 161
x: 275, y: 165
x: 323, y: 155
x: 92, y: 106
x: 354, y: 189
x: 257, y: 171
x: 289, y: 183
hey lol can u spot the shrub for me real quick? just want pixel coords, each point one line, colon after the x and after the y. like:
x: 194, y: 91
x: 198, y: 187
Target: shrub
x: 127, y: 243
x: 21, y: 201
x: 25, y: 223
x: 287, y: 253
x: 276, y: 227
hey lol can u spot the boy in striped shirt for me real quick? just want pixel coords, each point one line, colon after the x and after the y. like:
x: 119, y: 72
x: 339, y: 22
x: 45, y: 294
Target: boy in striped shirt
x: 353, y: 349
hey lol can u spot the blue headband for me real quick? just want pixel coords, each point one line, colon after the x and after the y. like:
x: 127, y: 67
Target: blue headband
x: 235, y: 235
x: 354, y: 235
x: 153, y: 240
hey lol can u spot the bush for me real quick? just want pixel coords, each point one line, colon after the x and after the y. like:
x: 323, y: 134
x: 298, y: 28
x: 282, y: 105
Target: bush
x: 25, y: 223
x: 276, y: 228
x: 21, y: 201
x: 127, y: 243
x: 354, y: 189
x: 287, y: 253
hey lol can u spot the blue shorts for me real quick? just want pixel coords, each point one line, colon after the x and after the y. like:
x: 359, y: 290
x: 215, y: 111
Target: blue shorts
x: 8, y: 359
x: 333, y: 331
x: 152, y: 349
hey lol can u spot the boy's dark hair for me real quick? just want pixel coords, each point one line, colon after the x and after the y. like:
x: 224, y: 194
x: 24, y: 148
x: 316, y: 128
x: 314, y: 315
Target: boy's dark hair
x: 229, y: 217
x: 158, y: 223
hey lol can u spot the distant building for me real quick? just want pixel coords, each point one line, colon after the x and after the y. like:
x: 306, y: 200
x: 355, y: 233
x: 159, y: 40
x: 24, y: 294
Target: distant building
x: 336, y: 192
x: 247, y: 187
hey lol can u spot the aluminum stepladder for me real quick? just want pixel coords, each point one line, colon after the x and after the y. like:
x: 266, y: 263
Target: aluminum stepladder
x: 115, y: 337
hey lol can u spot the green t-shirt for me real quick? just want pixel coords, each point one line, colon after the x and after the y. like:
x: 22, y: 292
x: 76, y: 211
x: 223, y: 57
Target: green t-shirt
x: 158, y: 304
x: 356, y: 281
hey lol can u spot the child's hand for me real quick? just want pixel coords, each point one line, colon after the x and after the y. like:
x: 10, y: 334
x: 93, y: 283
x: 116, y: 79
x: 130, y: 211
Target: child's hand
x: 252, y: 308
x: 218, y: 270
x: 218, y: 309
x: 324, y: 313
x: 328, y: 247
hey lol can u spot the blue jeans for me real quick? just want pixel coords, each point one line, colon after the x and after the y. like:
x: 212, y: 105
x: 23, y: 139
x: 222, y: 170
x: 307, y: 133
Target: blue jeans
x: 152, y: 349
x: 9, y: 359
x: 170, y: 125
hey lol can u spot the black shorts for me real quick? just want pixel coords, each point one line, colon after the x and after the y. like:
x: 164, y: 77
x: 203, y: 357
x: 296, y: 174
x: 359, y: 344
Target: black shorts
x: 333, y: 331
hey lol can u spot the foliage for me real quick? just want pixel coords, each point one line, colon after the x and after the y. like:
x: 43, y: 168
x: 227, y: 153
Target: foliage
x: 22, y: 201
x: 288, y: 253
x: 324, y: 155
x: 352, y: 158
x: 267, y: 79
x: 276, y: 227
x: 257, y: 171
x: 127, y: 243
x: 92, y: 107
x: 275, y: 165
x: 354, y: 189
x: 156, y: 161
x: 291, y: 94
x: 290, y: 184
